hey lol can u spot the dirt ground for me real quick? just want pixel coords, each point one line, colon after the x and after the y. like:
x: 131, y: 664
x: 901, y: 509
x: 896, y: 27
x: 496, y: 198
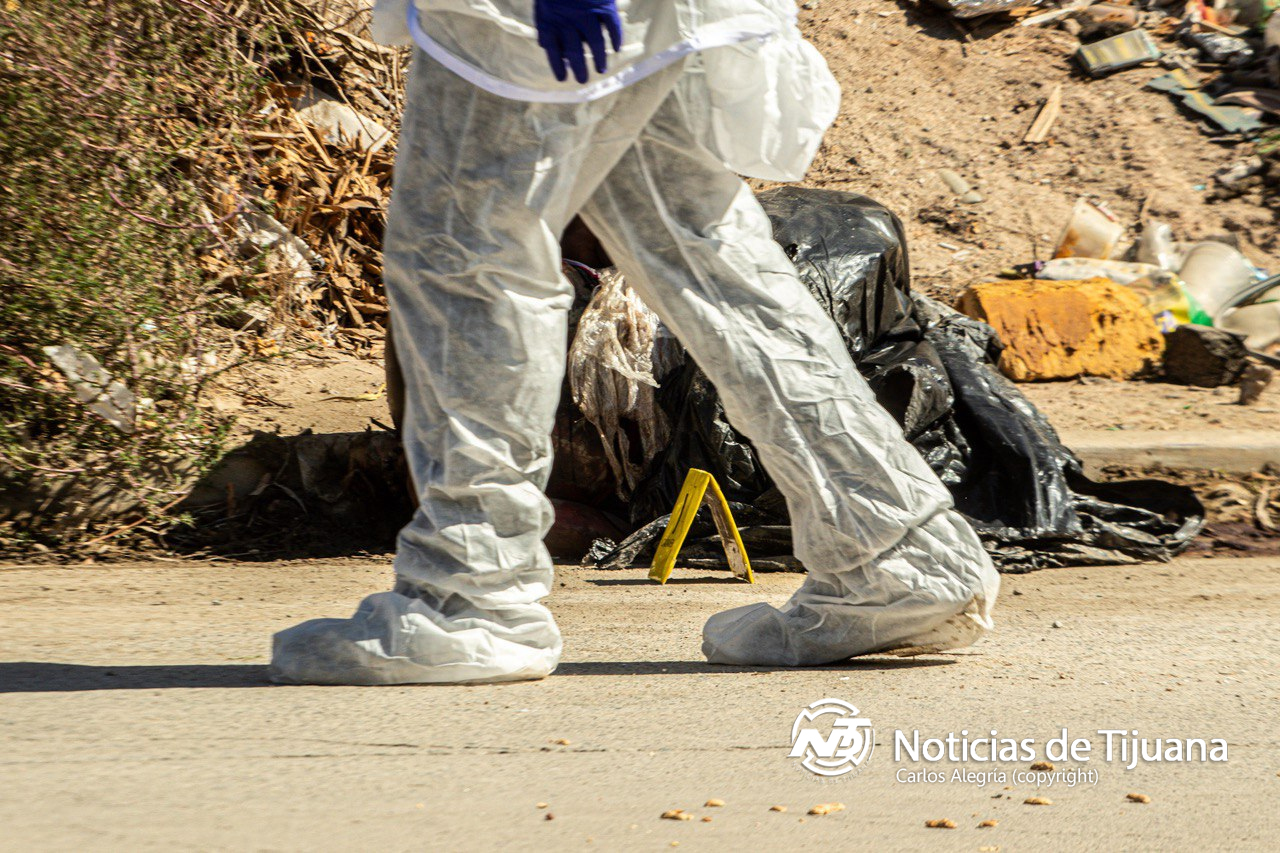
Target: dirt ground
x: 134, y: 714
x: 918, y: 98
x: 922, y: 93
x: 333, y: 391
x: 1108, y: 404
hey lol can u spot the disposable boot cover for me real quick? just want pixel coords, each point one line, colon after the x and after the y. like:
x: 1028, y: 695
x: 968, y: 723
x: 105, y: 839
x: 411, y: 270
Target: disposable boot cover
x: 483, y: 187
x: 918, y: 596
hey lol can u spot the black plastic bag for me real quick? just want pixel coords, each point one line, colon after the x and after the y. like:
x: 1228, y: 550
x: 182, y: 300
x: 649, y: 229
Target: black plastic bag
x: 934, y: 371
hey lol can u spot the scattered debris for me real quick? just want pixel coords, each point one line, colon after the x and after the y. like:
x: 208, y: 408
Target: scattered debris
x: 1118, y: 53
x: 1261, y: 511
x: 714, y: 803
x: 941, y: 823
x: 826, y: 808
x: 1214, y: 273
x: 1079, y: 269
x: 262, y: 234
x: 341, y: 124
x: 542, y: 805
x: 1045, y: 119
x: 987, y: 824
x: 1253, y: 382
x: 1238, y: 171
x: 784, y: 808
x: 1038, y: 801
x: 1203, y: 357
x: 676, y: 814
x: 1091, y: 232
x: 1137, y: 798
x: 1060, y: 330
x: 1191, y: 94
x: 1045, y: 766
x: 106, y: 397
x: 974, y: 8
x: 561, y: 741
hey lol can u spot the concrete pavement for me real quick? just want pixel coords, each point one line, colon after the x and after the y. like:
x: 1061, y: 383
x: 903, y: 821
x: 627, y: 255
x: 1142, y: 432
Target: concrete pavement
x: 134, y: 714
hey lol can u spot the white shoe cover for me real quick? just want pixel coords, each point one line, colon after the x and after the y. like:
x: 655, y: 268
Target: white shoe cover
x: 933, y: 591
x: 396, y: 639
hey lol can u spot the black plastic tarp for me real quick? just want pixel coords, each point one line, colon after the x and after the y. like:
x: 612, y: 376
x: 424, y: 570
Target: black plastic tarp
x: 934, y: 370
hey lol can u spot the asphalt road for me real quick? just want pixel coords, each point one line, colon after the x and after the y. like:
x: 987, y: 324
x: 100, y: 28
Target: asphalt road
x: 134, y: 713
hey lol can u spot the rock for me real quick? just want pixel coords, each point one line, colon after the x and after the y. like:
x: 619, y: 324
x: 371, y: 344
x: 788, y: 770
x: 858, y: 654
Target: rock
x: 106, y: 397
x: 339, y: 122
x: 1239, y: 171
x: 1253, y: 382
x: 1203, y: 356
x: 1066, y: 329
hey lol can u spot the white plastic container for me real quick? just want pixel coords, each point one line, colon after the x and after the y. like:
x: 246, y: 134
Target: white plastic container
x: 1213, y: 273
x: 1259, y: 323
x: 1089, y: 233
x: 1156, y: 246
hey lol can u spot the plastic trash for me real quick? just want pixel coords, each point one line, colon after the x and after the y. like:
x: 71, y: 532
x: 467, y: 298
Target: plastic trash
x: 1259, y: 323
x: 935, y: 371
x: 1078, y: 269
x: 612, y: 376
x: 1221, y: 48
x: 1089, y: 233
x: 974, y: 8
x: 1168, y: 300
x: 1215, y: 272
x: 105, y: 396
x: 1156, y: 246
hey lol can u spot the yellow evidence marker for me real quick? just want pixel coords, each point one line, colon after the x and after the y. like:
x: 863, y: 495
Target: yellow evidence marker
x: 700, y: 488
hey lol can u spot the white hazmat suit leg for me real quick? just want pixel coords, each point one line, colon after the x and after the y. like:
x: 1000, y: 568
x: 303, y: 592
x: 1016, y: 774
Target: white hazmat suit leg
x: 890, y: 564
x: 484, y: 186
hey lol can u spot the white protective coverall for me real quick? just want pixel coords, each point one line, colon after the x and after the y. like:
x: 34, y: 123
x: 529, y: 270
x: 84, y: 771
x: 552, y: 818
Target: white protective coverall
x: 487, y: 176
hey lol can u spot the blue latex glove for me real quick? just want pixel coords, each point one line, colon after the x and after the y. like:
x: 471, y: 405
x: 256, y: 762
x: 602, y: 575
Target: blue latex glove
x: 563, y: 25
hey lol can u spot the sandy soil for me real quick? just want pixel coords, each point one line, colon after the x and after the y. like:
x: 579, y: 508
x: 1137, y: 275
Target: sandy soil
x: 918, y: 98
x: 919, y: 95
x: 323, y: 393
x: 1106, y: 404
x: 134, y: 715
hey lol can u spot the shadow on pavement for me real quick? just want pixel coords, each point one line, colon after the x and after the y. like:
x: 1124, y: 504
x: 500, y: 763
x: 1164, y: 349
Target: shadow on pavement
x: 42, y: 677
x: 688, y: 667
x: 646, y: 581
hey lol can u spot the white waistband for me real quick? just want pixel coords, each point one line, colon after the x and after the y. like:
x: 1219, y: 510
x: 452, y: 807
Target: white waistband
x: 704, y: 40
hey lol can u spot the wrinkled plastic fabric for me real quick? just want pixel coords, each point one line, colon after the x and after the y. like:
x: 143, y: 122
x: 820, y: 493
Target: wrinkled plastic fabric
x: 615, y: 355
x: 934, y: 370
x: 483, y: 188
x: 766, y: 95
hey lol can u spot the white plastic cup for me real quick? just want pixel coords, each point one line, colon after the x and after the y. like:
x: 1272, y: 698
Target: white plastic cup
x: 1089, y: 233
x: 1213, y: 273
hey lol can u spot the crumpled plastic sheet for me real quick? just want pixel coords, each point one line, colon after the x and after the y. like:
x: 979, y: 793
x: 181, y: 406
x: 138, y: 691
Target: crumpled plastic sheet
x: 616, y: 351
x: 934, y: 370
